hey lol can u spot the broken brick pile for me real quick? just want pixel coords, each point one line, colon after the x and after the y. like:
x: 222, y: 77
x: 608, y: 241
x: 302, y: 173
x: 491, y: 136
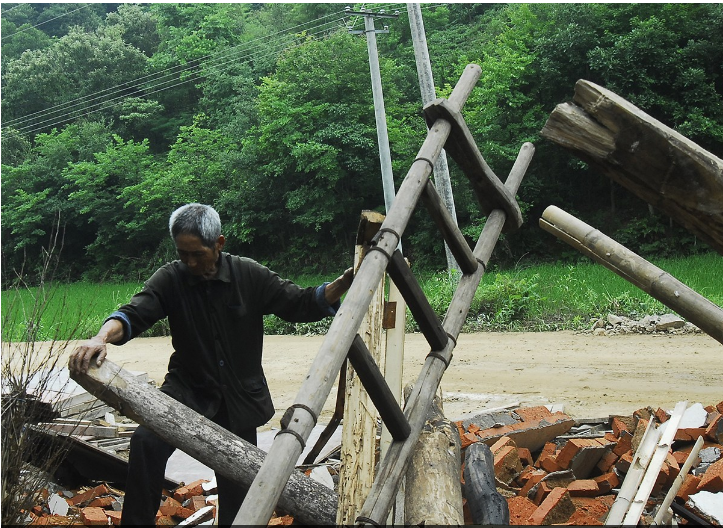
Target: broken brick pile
x: 548, y: 477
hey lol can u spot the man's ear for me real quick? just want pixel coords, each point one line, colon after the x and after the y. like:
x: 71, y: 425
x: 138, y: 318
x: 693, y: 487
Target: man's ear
x: 220, y: 242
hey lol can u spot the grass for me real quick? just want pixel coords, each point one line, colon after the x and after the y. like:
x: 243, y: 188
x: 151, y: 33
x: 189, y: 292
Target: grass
x: 537, y: 298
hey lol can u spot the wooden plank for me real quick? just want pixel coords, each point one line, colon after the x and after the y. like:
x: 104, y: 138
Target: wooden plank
x: 635, y: 269
x: 651, y: 160
x: 417, y: 301
x: 279, y: 464
x: 99, y: 431
x: 450, y: 231
x: 364, y: 398
x: 207, y: 442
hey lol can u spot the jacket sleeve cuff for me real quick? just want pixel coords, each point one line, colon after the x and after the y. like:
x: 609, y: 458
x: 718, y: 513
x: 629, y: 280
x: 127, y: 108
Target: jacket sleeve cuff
x: 326, y: 308
x: 123, y: 318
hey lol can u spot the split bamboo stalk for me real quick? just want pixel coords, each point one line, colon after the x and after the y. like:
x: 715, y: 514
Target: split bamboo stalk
x: 680, y: 477
x: 635, y: 474
x: 656, y: 462
x: 636, y: 270
x: 394, y: 465
x: 266, y: 488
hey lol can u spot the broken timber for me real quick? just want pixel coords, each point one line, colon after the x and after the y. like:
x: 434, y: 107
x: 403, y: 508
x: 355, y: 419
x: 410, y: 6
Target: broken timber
x: 651, y: 160
x: 209, y: 443
x: 503, y: 211
x: 636, y: 270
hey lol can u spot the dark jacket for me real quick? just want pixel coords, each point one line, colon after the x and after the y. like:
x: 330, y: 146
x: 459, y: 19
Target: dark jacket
x: 217, y: 332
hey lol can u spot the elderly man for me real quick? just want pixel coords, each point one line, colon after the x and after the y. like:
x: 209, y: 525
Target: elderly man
x: 215, y: 303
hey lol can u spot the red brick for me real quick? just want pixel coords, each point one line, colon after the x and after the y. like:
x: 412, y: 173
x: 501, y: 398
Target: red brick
x: 507, y: 464
x: 170, y: 506
x: 520, y: 509
x: 502, y: 442
x: 543, y: 490
x: 534, y: 478
x: 114, y: 517
x: 714, y: 430
x: 719, y: 407
x: 623, y: 463
x: 624, y: 444
x: 93, y: 516
x: 607, y: 482
x: 607, y: 462
x: 184, y: 513
x: 469, y: 439
x: 712, y: 479
x: 89, y: 495
x: 689, y: 434
x: 597, y: 507
x: 661, y: 415
x: 525, y: 456
x: 473, y: 428
x: 581, y: 455
x: 556, y: 508
x: 549, y: 464
x: 583, y: 488
x: 189, y: 490
x: 165, y: 520
x: 102, y: 502
x: 548, y: 449
x: 619, y: 426
x: 688, y: 487
x: 198, y: 502
x: 531, y: 414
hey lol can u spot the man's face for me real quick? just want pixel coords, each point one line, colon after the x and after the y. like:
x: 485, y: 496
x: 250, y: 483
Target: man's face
x: 200, y: 259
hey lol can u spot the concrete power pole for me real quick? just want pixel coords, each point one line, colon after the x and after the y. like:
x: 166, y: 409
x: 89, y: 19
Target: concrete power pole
x: 382, y: 135
x: 426, y: 85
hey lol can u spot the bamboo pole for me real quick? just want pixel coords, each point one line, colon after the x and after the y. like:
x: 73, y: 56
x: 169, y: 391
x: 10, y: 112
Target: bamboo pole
x: 394, y: 465
x: 266, y: 488
x: 636, y: 270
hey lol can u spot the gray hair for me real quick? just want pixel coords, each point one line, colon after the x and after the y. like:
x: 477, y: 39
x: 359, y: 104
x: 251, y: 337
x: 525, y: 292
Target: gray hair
x: 198, y: 220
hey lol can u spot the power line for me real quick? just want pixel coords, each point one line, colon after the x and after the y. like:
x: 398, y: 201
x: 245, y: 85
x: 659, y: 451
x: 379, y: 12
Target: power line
x: 41, y: 23
x: 134, y: 85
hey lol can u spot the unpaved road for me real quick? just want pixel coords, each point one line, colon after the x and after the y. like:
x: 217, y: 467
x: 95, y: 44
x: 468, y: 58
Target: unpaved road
x: 591, y: 376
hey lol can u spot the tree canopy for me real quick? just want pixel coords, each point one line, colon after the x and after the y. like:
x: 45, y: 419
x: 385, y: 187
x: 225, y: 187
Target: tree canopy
x: 115, y: 114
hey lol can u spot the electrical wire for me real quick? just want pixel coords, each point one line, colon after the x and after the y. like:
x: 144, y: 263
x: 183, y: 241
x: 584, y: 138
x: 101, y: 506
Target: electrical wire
x: 195, y: 67
x: 41, y: 23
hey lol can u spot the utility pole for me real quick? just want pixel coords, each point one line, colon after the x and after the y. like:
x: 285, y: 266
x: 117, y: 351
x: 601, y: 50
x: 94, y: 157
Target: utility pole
x: 382, y: 135
x: 426, y: 85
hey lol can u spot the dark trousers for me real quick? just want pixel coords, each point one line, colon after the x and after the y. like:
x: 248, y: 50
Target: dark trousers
x: 146, y: 470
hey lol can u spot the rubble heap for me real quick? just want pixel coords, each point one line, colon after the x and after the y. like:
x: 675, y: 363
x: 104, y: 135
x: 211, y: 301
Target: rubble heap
x: 549, y: 477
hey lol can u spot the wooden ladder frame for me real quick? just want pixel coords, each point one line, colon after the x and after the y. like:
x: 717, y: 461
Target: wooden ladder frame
x: 447, y: 130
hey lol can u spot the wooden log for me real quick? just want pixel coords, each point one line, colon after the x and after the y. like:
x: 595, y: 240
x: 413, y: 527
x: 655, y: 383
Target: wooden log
x: 433, y: 494
x: 207, y: 442
x: 651, y: 160
x: 485, y: 503
x: 635, y: 269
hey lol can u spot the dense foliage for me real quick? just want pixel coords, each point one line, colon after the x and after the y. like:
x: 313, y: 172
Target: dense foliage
x: 115, y: 114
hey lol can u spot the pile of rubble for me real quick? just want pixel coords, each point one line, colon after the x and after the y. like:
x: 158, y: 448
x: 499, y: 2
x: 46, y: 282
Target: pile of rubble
x: 572, y: 477
x: 650, y: 324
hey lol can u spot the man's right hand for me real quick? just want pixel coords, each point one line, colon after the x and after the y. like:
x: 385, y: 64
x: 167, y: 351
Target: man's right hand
x: 80, y: 358
x: 110, y: 332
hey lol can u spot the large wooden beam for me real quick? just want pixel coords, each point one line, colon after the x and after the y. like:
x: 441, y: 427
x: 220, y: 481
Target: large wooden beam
x: 227, y: 454
x: 651, y: 160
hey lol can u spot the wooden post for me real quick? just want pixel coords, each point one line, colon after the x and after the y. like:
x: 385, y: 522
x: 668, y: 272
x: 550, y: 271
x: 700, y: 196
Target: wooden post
x: 224, y: 452
x: 433, y: 493
x: 359, y: 434
x: 635, y: 269
x: 651, y: 160
x: 486, y: 505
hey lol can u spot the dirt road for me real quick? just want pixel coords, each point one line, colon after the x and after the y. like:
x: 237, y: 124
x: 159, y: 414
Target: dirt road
x: 591, y: 376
